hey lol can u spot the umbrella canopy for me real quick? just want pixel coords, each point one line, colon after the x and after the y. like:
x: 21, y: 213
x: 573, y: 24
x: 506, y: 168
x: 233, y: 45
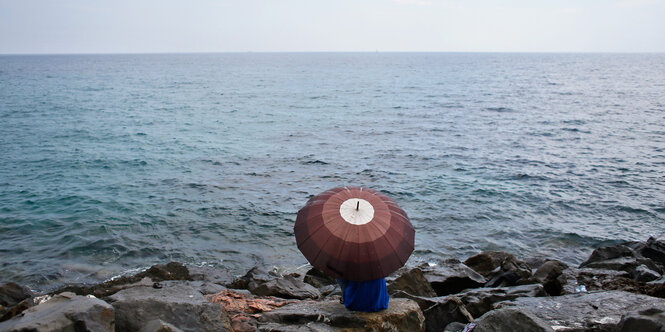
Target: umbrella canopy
x: 354, y: 233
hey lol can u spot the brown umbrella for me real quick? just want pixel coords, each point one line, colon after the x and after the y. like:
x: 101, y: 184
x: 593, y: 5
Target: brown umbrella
x: 354, y: 233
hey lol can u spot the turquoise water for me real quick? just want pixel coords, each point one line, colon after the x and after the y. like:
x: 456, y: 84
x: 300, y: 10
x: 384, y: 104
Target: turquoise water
x: 116, y: 162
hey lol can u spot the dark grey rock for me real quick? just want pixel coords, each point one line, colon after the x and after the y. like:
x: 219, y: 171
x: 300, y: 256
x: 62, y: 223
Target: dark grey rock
x: 255, y: 276
x: 211, y: 275
x: 593, y: 311
x: 439, y: 311
x: 181, y: 305
x: 451, y: 276
x: 64, y: 312
x: 481, y: 300
x: 455, y: 327
x: 413, y: 282
x: 550, y: 275
x: 644, y: 274
x: 499, y: 267
x: 286, y: 287
x: 401, y: 315
x: 159, y: 325
x: 318, y: 279
x: 650, y: 320
x: 511, y: 320
x: 654, y: 249
x: 14, y: 298
x: 620, y: 257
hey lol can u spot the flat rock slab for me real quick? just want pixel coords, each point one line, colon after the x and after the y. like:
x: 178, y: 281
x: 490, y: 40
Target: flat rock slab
x: 64, y: 312
x: 181, y: 305
x: 585, y: 311
x: 401, y: 315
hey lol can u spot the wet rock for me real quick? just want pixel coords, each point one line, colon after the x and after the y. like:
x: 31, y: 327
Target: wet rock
x: 156, y: 273
x: 318, y: 279
x: 451, y: 276
x: 178, y: 304
x: 650, y: 320
x: 654, y: 249
x: 620, y: 257
x: 401, y: 315
x: 499, y: 267
x: 644, y: 274
x: 600, y: 311
x: 439, y: 311
x: 481, y: 300
x: 413, y: 282
x: 454, y: 327
x: 211, y: 275
x: 257, y: 275
x: 64, y: 312
x: 287, y: 287
x: 511, y: 320
x: 159, y: 325
x: 550, y: 275
x: 14, y: 298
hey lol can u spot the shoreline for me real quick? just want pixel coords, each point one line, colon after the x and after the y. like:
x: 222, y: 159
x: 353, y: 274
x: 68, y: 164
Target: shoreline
x: 624, y: 282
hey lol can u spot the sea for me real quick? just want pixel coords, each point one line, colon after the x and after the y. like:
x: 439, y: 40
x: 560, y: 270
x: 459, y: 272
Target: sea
x: 112, y: 163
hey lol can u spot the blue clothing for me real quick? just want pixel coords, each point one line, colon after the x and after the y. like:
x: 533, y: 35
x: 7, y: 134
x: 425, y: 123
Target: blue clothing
x: 368, y: 296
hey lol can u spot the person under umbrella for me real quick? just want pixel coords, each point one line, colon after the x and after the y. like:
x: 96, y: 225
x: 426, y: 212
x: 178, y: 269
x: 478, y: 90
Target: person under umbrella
x: 359, y: 236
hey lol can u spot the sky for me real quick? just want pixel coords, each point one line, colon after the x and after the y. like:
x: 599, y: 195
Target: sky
x: 183, y: 26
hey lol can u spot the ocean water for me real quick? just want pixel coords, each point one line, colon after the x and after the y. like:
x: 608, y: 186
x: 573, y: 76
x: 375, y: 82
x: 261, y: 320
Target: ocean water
x: 116, y: 162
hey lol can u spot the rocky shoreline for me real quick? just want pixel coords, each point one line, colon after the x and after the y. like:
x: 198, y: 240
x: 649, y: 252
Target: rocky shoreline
x: 618, y: 288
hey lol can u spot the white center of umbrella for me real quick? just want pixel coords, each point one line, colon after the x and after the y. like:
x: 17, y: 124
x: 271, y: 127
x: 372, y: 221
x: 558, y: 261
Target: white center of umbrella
x: 356, y: 211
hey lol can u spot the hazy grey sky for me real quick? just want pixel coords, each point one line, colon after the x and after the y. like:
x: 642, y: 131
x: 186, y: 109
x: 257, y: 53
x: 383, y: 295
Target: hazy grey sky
x: 121, y: 26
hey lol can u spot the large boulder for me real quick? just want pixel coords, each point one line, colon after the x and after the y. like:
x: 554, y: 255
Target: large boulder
x: 511, y: 320
x: 651, y: 320
x: 64, y: 312
x: 551, y: 276
x: 451, y: 276
x: 500, y: 268
x: 654, y: 249
x: 211, y: 275
x: 481, y: 300
x: 401, y: 315
x: 287, y: 287
x: 439, y: 311
x: 621, y: 257
x: 591, y: 311
x: 318, y: 279
x: 178, y: 304
x: 413, y: 282
x: 255, y: 276
x: 14, y: 298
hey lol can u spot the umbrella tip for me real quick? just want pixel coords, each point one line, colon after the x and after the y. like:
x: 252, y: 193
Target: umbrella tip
x: 357, y: 205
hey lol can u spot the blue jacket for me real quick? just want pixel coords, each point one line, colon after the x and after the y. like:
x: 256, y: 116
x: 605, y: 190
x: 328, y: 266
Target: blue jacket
x: 366, y: 296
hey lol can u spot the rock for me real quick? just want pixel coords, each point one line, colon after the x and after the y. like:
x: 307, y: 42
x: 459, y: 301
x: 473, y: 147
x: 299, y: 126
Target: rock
x: 654, y: 249
x: 499, y: 267
x: 156, y: 273
x: 451, y: 276
x: 413, y: 282
x: 255, y: 276
x: 550, y: 275
x: 211, y: 275
x: 454, y: 327
x: 620, y: 257
x: 650, y: 320
x: 64, y: 312
x: 14, y: 298
x: 481, y: 300
x: 439, y: 311
x: 600, y: 311
x: 243, y: 307
x: 511, y: 320
x: 401, y: 315
x: 644, y: 274
x: 178, y: 304
x: 158, y: 325
x: 287, y: 287
x: 318, y: 279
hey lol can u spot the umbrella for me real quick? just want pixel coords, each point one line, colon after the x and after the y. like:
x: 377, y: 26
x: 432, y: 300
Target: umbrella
x: 354, y: 233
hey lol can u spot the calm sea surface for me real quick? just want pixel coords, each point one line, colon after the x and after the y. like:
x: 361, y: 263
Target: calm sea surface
x: 116, y: 162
